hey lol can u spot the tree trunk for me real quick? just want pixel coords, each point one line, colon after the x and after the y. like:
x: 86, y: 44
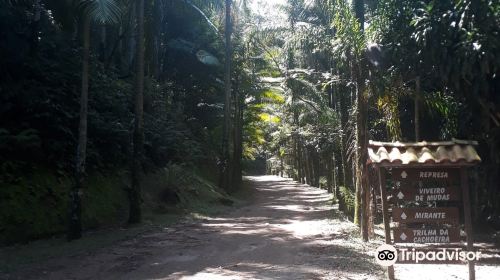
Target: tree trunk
x: 310, y: 175
x: 121, y: 51
x: 316, y: 166
x: 334, y: 174
x: 312, y: 164
x: 328, y: 162
x: 225, y: 166
x: 138, y: 143
x: 343, y: 153
x: 361, y: 141
x: 299, y: 162
x: 371, y: 207
x: 102, y: 44
x: 238, y: 139
x: 307, y: 169
x: 35, y: 26
x: 281, y: 166
x: 75, y: 224
x: 344, y: 162
x: 360, y: 149
x: 295, y: 160
x: 131, y: 52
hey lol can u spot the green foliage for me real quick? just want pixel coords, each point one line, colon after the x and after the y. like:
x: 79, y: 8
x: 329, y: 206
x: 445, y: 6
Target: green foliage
x: 348, y: 197
x: 183, y: 188
x: 296, y: 83
x: 36, y: 206
x: 39, y: 105
x: 350, y: 40
x: 33, y: 208
x: 466, y: 33
x: 105, y: 200
x: 389, y: 105
x: 323, y: 182
x: 272, y: 95
x: 445, y: 107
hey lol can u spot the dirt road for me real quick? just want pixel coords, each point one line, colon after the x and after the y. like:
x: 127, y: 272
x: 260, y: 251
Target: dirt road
x: 289, y: 231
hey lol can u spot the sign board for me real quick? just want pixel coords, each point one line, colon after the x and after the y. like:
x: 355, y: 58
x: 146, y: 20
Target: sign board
x: 432, y: 174
x: 446, y: 215
x: 425, y: 174
x: 426, y: 194
x: 426, y: 235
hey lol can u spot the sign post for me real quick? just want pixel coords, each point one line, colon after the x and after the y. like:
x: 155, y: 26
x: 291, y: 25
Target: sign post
x: 385, y: 213
x: 429, y: 193
x: 467, y: 217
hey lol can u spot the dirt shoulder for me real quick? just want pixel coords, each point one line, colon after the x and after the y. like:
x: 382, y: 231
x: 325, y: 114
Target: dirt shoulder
x: 289, y: 231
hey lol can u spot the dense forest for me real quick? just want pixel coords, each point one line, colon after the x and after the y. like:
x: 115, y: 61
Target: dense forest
x: 112, y: 109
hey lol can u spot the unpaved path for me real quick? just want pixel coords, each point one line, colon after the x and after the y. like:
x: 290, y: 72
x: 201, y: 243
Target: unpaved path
x: 290, y: 231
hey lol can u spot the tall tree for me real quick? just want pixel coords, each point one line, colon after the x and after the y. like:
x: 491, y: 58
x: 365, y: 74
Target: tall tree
x: 237, y: 135
x: 225, y: 172
x: 361, y: 118
x: 138, y: 134
x: 101, y: 11
x: 75, y: 225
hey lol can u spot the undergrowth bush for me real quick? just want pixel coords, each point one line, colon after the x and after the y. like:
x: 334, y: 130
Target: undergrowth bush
x: 348, y: 197
x: 36, y: 206
x: 182, y: 187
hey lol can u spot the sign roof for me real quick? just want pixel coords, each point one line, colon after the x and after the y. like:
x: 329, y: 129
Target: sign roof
x: 451, y: 153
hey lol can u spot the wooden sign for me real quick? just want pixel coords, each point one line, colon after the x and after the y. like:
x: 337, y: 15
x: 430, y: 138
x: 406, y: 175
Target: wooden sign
x: 425, y: 174
x: 426, y: 180
x: 426, y: 235
x: 448, y: 215
x: 427, y: 194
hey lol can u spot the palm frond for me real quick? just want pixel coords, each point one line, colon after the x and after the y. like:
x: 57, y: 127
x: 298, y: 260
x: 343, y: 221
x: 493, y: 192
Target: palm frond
x: 101, y: 11
x: 204, y: 15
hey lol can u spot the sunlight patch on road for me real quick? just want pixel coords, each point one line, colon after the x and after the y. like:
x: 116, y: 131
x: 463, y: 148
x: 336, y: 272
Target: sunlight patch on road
x: 267, y: 178
x: 445, y: 272
x: 234, y: 220
x: 287, y: 207
x: 250, y: 270
x: 301, y: 229
x: 318, y: 199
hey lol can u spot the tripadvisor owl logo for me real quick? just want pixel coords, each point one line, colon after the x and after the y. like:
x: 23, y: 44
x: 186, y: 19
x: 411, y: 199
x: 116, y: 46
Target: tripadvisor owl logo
x: 386, y: 255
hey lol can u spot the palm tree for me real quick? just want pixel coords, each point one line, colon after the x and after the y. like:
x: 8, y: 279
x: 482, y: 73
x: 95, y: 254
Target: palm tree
x: 138, y: 142
x: 361, y: 112
x: 102, y: 11
x: 225, y: 173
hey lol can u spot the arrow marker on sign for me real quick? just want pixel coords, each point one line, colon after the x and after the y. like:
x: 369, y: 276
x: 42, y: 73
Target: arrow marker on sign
x: 403, y: 216
x: 404, y: 174
x: 403, y: 236
x: 401, y: 195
